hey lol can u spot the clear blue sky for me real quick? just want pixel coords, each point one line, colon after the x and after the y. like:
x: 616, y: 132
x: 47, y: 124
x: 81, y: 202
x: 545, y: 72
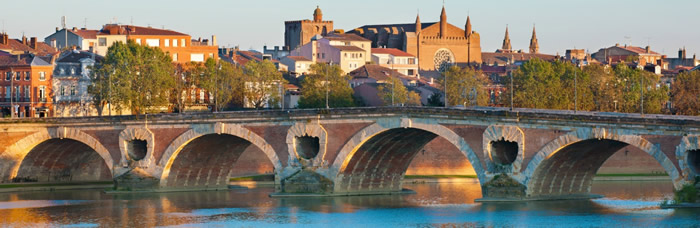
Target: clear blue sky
x: 561, y: 24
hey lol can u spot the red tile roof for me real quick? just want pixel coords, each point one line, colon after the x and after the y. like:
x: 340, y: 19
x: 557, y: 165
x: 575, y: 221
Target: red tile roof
x: 298, y: 58
x: 138, y: 30
x: 345, y: 37
x: 376, y: 72
x: 391, y: 51
x: 16, y: 45
x: 86, y: 34
x: 349, y: 48
x: 638, y: 50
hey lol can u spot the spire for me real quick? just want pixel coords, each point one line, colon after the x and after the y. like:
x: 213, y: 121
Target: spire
x: 318, y: 15
x: 506, y: 41
x: 443, y: 22
x: 468, y: 28
x: 534, y: 45
x: 419, y: 26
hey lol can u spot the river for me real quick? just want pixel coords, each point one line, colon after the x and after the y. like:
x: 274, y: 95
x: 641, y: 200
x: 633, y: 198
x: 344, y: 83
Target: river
x: 627, y: 204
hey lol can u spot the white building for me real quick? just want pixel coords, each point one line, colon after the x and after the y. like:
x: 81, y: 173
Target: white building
x: 349, y: 51
x: 397, y: 60
x: 71, y: 79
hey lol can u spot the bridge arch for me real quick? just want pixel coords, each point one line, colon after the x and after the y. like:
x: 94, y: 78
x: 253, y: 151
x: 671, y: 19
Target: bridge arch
x: 396, y: 141
x: 568, y: 164
x: 216, y: 140
x: 53, y: 148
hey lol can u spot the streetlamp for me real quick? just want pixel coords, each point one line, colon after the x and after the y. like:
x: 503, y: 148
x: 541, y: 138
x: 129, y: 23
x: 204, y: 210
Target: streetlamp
x: 328, y: 83
x: 511, y: 90
x: 641, y: 85
x: 575, y: 92
x: 12, y: 94
x: 392, y: 83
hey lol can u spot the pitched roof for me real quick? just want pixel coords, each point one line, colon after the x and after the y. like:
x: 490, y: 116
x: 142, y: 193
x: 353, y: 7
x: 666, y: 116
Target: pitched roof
x: 638, y: 50
x: 22, y: 61
x: 391, y: 51
x: 345, y: 37
x: 138, y: 30
x: 75, y: 56
x: 348, y: 48
x: 492, y: 58
x: 16, y: 45
x: 298, y: 58
x: 376, y: 72
x: 86, y: 34
x: 411, y: 27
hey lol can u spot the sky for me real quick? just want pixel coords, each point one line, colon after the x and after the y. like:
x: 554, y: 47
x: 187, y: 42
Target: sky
x: 561, y: 24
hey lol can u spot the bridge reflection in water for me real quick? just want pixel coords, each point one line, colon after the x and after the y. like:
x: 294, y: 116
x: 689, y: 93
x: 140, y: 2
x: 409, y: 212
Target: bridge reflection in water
x: 516, y: 155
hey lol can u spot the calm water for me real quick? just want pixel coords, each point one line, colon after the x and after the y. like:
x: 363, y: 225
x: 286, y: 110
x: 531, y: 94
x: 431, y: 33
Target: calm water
x: 629, y: 204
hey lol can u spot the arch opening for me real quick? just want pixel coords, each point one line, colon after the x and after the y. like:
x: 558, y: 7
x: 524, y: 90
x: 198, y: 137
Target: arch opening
x: 504, y: 152
x: 570, y: 170
x: 137, y: 149
x: 62, y: 160
x: 209, y: 161
x: 694, y: 160
x: 307, y: 147
x: 380, y: 163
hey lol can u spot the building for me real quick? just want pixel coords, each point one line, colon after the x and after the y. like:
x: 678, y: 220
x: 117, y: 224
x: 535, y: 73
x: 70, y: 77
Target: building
x: 619, y: 53
x: 71, y: 78
x: 436, y: 45
x: 349, y: 51
x: 396, y: 59
x: 26, y: 85
x: 681, y: 61
x: 25, y: 46
x: 367, y: 78
x: 82, y: 39
x: 181, y: 47
x: 276, y: 52
x: 297, y: 65
x: 241, y: 58
x: 298, y: 33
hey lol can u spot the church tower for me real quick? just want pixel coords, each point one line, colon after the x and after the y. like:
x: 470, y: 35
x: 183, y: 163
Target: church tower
x: 506, y: 42
x: 318, y: 15
x: 534, y: 45
x: 443, y: 23
x: 468, y: 28
x: 468, y: 34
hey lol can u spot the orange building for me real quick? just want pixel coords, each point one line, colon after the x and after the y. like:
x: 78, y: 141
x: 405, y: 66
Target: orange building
x: 26, y: 84
x: 181, y: 47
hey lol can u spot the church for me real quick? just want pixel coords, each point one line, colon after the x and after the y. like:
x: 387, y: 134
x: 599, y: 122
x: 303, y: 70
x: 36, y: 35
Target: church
x: 436, y: 44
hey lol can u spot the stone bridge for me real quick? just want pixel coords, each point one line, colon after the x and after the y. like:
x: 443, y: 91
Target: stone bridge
x: 523, y: 154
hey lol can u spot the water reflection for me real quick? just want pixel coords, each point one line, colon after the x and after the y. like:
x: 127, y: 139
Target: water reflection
x: 439, y: 204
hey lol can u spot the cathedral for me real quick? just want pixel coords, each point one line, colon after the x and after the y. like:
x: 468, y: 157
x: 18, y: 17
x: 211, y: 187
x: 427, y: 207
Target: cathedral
x: 437, y: 44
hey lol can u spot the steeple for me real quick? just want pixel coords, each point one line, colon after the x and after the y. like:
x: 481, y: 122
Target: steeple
x: 468, y: 28
x: 318, y: 15
x: 443, y: 23
x: 534, y: 45
x: 506, y: 41
x: 419, y: 26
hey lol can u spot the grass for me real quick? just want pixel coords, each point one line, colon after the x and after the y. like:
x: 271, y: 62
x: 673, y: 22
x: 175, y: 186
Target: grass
x: 21, y: 185
x: 264, y: 177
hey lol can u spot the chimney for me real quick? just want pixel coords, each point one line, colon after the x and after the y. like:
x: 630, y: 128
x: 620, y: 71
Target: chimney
x: 32, y: 43
x: 57, y: 29
x: 53, y: 43
x: 24, y: 40
x: 213, y: 40
x: 3, y: 38
x: 648, y: 49
x: 314, y: 42
x: 75, y: 28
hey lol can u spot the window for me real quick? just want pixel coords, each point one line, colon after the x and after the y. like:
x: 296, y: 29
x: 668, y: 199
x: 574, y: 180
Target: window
x: 18, y: 76
x: 323, y: 55
x: 197, y: 57
x: 17, y: 92
x: 72, y: 71
x: 166, y: 42
x: 182, y: 41
x: 7, y: 92
x: 346, y: 55
x: 175, y: 57
x: 138, y: 41
x: 42, y: 92
x: 153, y: 42
x: 410, y: 72
x: 62, y: 71
x: 72, y: 90
x: 62, y: 91
x: 42, y: 76
x: 27, y: 75
x: 27, y: 91
x: 201, y: 96
x: 174, y: 42
x: 102, y: 42
x: 211, y: 55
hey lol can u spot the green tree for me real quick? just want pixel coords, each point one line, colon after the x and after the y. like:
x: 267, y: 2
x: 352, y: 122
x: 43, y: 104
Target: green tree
x: 224, y: 81
x: 137, y: 77
x: 632, y: 81
x: 685, y: 93
x: 465, y: 86
x: 263, y: 84
x: 604, y: 87
x: 414, y: 99
x: 393, y: 93
x: 186, y: 78
x: 435, y: 100
x: 326, y: 78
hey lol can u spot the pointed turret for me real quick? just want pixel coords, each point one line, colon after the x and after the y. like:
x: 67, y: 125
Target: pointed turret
x: 506, y: 42
x: 443, y: 23
x: 318, y: 15
x: 534, y: 45
x: 468, y: 28
x: 419, y: 27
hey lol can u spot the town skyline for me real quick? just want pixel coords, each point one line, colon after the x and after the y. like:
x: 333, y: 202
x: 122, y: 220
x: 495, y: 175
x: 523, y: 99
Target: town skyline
x: 665, y: 32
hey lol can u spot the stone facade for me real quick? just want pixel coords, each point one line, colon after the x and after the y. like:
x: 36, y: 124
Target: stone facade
x: 298, y: 33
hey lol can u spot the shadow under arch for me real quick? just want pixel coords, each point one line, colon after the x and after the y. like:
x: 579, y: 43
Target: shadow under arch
x: 375, y: 159
x: 57, y: 151
x: 203, y: 157
x: 568, y: 164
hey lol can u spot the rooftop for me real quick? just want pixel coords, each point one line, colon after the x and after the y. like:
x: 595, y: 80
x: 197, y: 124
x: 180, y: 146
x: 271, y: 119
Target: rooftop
x: 348, y: 48
x: 345, y: 37
x: 114, y: 29
x: 391, y: 51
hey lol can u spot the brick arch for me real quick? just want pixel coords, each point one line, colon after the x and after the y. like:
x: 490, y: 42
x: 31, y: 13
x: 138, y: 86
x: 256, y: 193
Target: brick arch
x: 688, y: 143
x: 574, y: 175
x: 508, y: 133
x: 137, y: 133
x: 171, y: 153
x: 17, y: 152
x: 412, y: 130
x: 307, y: 129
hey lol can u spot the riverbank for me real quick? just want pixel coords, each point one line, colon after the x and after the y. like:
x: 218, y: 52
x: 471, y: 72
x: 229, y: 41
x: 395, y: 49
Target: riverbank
x: 27, y: 187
